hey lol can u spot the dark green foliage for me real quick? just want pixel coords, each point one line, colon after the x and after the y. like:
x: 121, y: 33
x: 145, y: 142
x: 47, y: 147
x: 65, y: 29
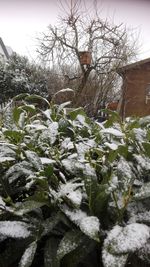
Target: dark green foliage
x: 73, y: 192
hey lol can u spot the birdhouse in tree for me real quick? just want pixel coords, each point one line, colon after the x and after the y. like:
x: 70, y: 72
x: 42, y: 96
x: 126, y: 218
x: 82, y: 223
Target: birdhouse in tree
x: 85, y: 58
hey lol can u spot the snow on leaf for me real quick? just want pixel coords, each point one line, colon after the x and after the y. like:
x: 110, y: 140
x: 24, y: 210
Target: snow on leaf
x: 113, y: 131
x: 5, y: 159
x: 67, y: 144
x: 36, y: 127
x: 84, y: 147
x: 75, y: 215
x: 127, y: 239
x: 64, y: 90
x: 125, y: 173
x: 72, y: 164
x: 15, y: 171
x: 28, y: 206
x: 71, y: 191
x: 21, y: 120
x: 34, y: 159
x: 143, y: 192
x: 14, y: 229
x: 89, y: 171
x: 82, y: 120
x: 75, y: 197
x: 28, y: 255
x: 47, y: 161
x: 2, y: 203
x: 90, y: 227
x: 140, y: 134
x: 143, y: 162
x: 6, y: 150
x: 110, y: 260
x: 69, y: 242
x: 144, y: 253
x: 47, y: 113
x: 50, y: 133
x: 141, y: 217
x: 63, y: 105
x: 67, y: 188
x: 112, y: 146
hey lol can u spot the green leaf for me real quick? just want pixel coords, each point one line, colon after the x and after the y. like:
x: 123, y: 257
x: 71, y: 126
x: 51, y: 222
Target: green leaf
x: 123, y: 150
x: 16, y: 114
x: 63, y: 105
x: 99, y: 200
x: 28, y: 256
x: 70, y: 242
x: 28, y: 206
x: 112, y: 155
x: 37, y: 98
x: 146, y: 147
x: 50, y: 253
x: 48, y: 171
x: 74, y: 113
x: 29, y: 108
x: 20, y: 96
x: 112, y: 118
x: 15, y: 136
x: 80, y: 253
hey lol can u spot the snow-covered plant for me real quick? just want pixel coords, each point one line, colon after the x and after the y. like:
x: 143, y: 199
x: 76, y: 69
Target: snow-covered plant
x: 73, y: 192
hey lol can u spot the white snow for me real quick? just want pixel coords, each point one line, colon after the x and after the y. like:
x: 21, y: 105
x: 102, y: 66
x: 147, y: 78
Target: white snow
x: 2, y: 203
x: 65, y: 90
x: 112, y: 146
x: 50, y: 133
x: 68, y: 243
x: 110, y: 260
x: 112, y: 131
x: 14, y: 229
x: 67, y: 144
x: 4, y: 159
x: 143, y: 192
x: 140, y: 134
x: 143, y: 162
x: 47, y: 160
x: 75, y: 197
x: 75, y: 215
x: 127, y: 239
x: 89, y: 225
x: 28, y: 255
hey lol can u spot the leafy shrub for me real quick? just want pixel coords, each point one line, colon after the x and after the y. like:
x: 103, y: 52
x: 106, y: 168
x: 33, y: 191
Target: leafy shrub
x: 18, y: 76
x: 73, y: 192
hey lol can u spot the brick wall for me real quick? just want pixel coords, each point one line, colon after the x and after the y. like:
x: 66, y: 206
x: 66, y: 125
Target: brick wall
x: 135, y: 82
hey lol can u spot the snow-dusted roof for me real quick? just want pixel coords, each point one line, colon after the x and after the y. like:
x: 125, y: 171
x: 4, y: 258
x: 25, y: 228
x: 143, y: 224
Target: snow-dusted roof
x: 133, y: 65
x: 4, y: 51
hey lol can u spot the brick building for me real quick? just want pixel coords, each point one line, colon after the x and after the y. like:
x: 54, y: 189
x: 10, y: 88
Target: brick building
x: 135, y: 89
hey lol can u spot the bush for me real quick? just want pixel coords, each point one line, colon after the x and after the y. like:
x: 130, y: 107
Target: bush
x: 73, y: 192
x: 18, y: 76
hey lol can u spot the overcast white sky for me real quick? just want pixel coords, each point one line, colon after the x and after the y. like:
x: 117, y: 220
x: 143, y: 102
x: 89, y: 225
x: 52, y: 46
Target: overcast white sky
x: 22, y: 20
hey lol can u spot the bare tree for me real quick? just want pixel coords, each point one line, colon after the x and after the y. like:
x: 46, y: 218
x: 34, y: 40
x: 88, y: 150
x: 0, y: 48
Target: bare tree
x: 78, y: 30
